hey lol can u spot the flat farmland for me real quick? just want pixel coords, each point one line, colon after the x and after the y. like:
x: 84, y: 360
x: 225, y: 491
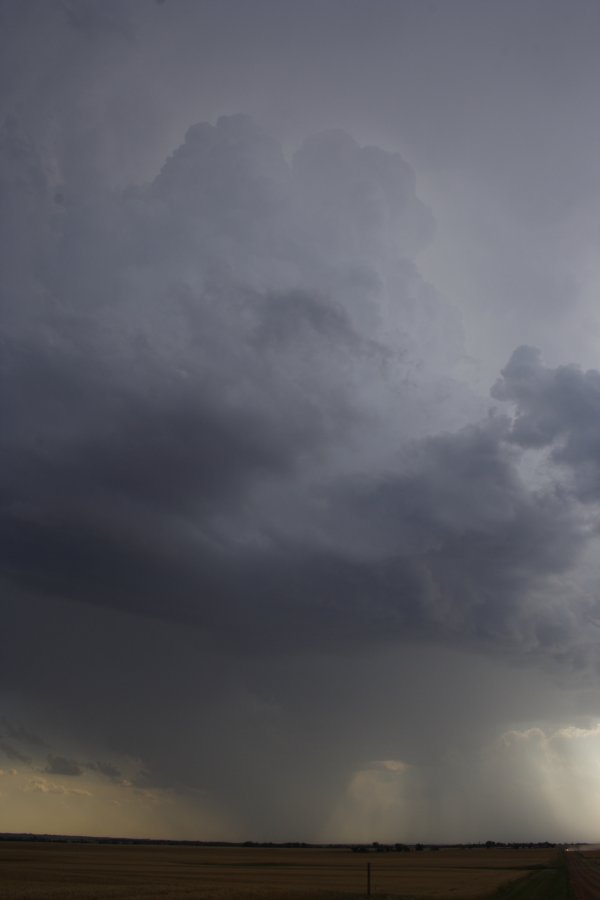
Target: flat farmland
x: 584, y: 871
x: 34, y: 871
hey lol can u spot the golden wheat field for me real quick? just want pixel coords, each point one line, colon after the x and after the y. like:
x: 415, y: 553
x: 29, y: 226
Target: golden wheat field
x: 33, y: 871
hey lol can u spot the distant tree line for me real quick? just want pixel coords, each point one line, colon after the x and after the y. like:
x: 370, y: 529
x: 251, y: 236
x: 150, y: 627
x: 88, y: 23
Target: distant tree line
x: 374, y: 847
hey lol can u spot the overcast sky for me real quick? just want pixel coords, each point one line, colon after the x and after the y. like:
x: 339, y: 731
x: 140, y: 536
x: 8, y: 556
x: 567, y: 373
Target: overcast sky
x: 300, y: 404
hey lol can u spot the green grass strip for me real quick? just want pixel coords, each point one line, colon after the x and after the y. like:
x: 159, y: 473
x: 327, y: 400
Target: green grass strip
x: 551, y: 883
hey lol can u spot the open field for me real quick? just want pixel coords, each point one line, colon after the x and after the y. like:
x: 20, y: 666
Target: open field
x: 35, y: 871
x: 584, y: 871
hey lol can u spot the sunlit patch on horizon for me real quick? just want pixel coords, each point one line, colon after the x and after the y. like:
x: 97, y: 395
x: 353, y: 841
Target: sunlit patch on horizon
x: 97, y: 807
x: 550, y: 774
x: 377, y: 804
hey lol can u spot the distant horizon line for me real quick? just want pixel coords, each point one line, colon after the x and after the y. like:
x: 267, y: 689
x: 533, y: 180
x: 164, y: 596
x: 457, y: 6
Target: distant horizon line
x: 365, y: 846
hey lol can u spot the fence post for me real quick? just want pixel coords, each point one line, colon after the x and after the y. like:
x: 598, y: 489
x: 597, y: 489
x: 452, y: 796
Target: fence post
x: 368, y: 879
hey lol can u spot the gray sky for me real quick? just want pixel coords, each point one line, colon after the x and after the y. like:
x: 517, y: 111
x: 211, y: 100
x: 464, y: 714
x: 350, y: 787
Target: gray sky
x: 300, y: 480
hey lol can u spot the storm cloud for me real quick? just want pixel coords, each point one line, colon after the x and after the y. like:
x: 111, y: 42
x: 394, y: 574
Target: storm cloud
x: 255, y: 464
x: 231, y: 424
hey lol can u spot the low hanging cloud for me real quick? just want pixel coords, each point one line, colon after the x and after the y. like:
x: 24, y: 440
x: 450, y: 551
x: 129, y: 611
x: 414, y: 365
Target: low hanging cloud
x: 60, y: 765
x: 107, y: 769
x: 43, y: 786
x: 13, y: 753
x: 556, y: 409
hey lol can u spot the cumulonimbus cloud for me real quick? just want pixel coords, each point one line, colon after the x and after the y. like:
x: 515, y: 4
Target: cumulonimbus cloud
x: 228, y: 396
